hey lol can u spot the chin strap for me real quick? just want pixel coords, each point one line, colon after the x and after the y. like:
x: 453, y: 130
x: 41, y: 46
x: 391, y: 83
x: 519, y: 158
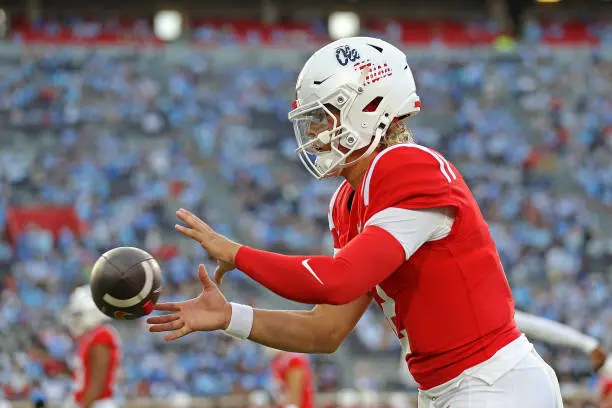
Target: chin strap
x: 377, y: 137
x: 334, y: 160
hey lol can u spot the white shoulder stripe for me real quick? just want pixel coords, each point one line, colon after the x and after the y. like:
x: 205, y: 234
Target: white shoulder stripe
x: 330, y: 211
x: 445, y: 167
x: 446, y: 163
x: 438, y: 158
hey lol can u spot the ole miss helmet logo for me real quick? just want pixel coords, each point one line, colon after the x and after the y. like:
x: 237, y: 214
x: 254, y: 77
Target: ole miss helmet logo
x: 344, y: 54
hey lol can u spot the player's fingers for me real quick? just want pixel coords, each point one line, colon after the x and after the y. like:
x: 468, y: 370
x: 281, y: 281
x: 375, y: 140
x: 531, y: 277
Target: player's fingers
x: 219, y: 274
x: 173, y: 325
x: 193, y: 220
x: 191, y: 233
x: 207, y: 283
x: 177, y: 334
x: 168, y: 307
x: 163, y: 319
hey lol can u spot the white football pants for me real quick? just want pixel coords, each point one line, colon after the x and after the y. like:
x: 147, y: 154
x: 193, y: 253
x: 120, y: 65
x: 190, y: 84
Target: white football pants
x: 105, y: 403
x: 529, y: 384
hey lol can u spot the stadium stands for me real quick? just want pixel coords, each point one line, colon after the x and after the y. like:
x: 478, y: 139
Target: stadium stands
x: 115, y: 140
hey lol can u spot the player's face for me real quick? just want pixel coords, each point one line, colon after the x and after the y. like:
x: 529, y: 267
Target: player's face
x: 312, y: 124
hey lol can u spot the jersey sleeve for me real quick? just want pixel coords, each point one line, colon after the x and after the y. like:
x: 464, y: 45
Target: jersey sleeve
x: 413, y: 228
x: 604, y: 387
x: 105, y: 336
x: 410, y: 177
x: 296, y: 361
x: 290, y: 361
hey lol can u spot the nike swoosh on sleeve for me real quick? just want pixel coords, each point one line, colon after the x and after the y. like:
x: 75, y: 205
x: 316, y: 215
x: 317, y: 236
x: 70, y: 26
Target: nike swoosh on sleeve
x: 312, y: 272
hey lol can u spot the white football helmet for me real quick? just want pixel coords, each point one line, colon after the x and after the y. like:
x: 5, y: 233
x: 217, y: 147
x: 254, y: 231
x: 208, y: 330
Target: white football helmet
x: 81, y: 314
x: 368, y: 81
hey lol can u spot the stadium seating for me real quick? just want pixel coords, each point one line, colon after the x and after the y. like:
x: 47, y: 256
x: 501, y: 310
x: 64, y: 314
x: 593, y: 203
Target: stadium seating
x: 117, y: 139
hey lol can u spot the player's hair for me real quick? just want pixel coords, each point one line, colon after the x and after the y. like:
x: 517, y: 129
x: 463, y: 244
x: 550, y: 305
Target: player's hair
x: 397, y: 133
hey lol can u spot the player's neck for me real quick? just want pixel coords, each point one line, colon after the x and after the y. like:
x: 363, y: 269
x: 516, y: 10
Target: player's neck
x: 356, y: 172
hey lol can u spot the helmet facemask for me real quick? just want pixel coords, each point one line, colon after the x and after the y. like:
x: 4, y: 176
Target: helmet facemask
x: 324, y: 143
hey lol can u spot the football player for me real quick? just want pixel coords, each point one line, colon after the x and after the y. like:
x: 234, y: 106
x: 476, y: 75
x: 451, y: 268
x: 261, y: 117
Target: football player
x: 292, y: 379
x: 98, y: 353
x: 604, y: 391
x: 408, y: 234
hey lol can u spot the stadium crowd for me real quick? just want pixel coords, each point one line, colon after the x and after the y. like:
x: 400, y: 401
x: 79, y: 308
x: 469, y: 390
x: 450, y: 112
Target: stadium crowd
x: 125, y: 139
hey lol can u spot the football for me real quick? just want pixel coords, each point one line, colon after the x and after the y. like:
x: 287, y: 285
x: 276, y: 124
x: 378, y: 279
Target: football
x: 126, y: 283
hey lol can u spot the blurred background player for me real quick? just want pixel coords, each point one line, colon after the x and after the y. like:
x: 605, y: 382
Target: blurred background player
x: 37, y: 396
x: 604, y: 391
x: 293, y: 382
x: 98, y: 355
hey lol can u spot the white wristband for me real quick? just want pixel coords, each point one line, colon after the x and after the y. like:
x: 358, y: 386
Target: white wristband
x: 241, y: 322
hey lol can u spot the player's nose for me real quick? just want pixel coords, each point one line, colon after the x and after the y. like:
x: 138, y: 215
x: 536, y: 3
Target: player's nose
x: 311, y: 132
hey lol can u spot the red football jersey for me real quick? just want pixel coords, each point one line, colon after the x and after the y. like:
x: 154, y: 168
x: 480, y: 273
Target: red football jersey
x: 604, y: 387
x: 281, y: 366
x: 449, y: 303
x: 101, y: 335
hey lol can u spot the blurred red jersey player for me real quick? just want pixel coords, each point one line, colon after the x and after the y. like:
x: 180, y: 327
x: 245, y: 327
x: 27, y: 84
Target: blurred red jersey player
x: 293, y: 379
x: 98, y: 353
x: 604, y: 388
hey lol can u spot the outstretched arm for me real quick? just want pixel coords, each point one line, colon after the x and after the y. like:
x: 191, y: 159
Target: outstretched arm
x: 551, y: 332
x: 366, y: 261
x: 320, y: 330
x: 388, y: 239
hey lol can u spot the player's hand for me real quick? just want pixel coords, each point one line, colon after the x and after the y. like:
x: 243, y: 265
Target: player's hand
x: 221, y: 248
x: 598, y: 358
x: 207, y: 312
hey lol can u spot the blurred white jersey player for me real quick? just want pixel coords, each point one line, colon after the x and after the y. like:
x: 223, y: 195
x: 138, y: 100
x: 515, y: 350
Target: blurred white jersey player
x: 98, y: 353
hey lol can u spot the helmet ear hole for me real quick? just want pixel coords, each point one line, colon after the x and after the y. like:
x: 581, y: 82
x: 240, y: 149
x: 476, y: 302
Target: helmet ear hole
x: 373, y: 104
x: 332, y: 109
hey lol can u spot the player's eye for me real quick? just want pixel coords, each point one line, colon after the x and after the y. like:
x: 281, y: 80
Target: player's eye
x: 318, y: 117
